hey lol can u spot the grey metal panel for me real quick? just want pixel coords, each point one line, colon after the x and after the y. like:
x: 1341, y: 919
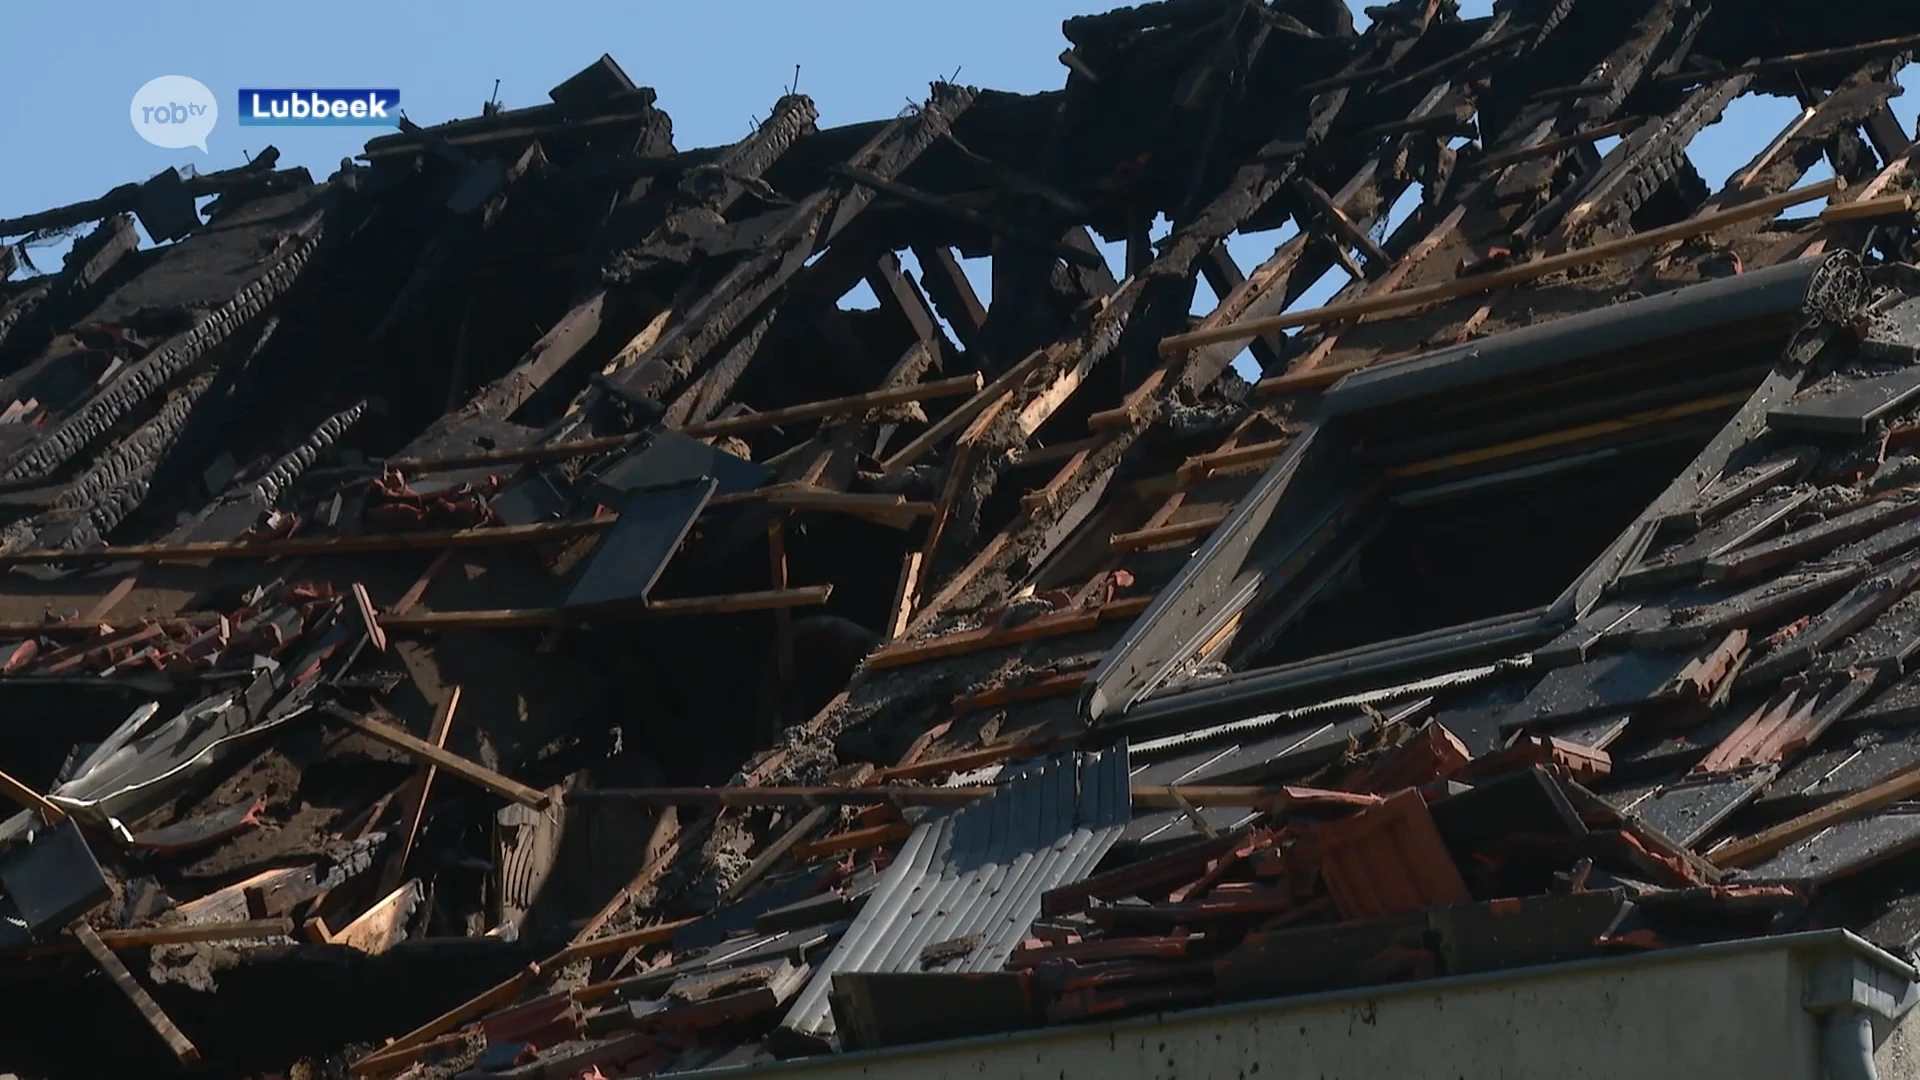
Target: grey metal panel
x: 980, y: 871
x: 1774, y: 291
x: 629, y: 561
x: 1252, y: 693
x: 1223, y: 576
x: 671, y: 457
x: 1849, y: 408
x: 1748, y: 424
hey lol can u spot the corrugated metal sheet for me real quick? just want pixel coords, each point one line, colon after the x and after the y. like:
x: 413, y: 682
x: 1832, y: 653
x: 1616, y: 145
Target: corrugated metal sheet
x: 980, y: 871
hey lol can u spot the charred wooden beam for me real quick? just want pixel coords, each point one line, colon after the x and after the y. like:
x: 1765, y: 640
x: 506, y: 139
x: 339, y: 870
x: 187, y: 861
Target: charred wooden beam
x: 1224, y: 278
x: 846, y: 406
x: 29, y: 323
x: 962, y: 213
x: 710, y: 191
x: 1328, y: 213
x: 1889, y: 139
x: 1092, y: 279
x: 1447, y: 290
x: 1796, y: 61
x: 1612, y: 80
x: 1147, y: 303
x: 18, y: 308
x: 542, y: 618
x: 900, y: 296
x: 235, y: 512
x: 1493, y: 162
x: 686, y: 347
x: 1279, y: 282
x: 708, y: 395
x: 125, y: 198
x: 1645, y: 160
x: 116, y: 483
x: 289, y: 466
x: 952, y: 294
x: 147, y: 376
x: 627, y: 110
x: 478, y: 199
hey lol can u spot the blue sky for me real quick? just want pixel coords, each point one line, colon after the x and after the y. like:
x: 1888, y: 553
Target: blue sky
x: 716, y: 66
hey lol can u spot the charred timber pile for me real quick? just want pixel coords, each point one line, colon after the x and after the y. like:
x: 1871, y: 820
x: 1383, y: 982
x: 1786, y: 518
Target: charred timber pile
x: 504, y: 609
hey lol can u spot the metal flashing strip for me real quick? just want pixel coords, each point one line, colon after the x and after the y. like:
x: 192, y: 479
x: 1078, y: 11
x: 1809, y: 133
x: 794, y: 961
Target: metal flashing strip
x: 1774, y: 291
x: 1380, y: 671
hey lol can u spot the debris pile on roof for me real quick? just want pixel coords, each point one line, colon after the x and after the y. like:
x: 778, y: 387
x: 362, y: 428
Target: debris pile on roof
x: 504, y: 611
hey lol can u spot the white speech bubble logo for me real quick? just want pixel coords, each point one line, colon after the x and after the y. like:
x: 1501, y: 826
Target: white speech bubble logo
x: 175, y: 112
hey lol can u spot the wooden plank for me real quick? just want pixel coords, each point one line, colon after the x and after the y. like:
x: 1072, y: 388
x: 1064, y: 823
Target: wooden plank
x: 788, y: 842
x: 1904, y: 784
x: 1201, y: 466
x: 770, y: 856
x: 1556, y: 146
x: 1529, y: 271
x: 398, y: 1053
x: 538, y: 618
x: 1143, y: 539
x: 956, y: 483
x: 369, y: 617
x: 782, y: 617
x: 1861, y: 210
x: 1043, y: 497
x: 411, y: 598
x: 972, y: 759
x: 422, y: 750
x: 961, y: 417
x: 904, y: 594
x: 419, y: 788
x: 1354, y: 236
x: 424, y: 540
x: 519, y: 455
x: 384, y: 924
x: 150, y: 1010
x: 1895, y: 171
x: 265, y: 894
x: 835, y: 407
x: 852, y: 840
x: 618, y: 943
x: 241, y: 930
x: 105, y: 605
x: 1792, y: 61
x: 1058, y: 685
x: 892, y: 510
x: 1146, y: 796
x: 30, y: 799
x: 1056, y: 625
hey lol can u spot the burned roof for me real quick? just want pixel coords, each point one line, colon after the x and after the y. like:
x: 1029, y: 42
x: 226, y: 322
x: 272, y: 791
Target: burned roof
x: 500, y: 610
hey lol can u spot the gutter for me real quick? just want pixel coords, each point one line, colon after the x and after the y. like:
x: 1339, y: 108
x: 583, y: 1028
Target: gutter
x: 1856, y: 989
x: 1858, y: 1001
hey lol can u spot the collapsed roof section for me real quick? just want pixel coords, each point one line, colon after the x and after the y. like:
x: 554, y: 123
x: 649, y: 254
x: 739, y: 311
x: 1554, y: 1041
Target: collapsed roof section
x: 1563, y: 556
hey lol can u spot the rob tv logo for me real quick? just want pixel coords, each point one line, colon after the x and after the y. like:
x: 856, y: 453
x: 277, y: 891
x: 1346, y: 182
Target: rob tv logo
x: 319, y: 108
x: 174, y: 112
